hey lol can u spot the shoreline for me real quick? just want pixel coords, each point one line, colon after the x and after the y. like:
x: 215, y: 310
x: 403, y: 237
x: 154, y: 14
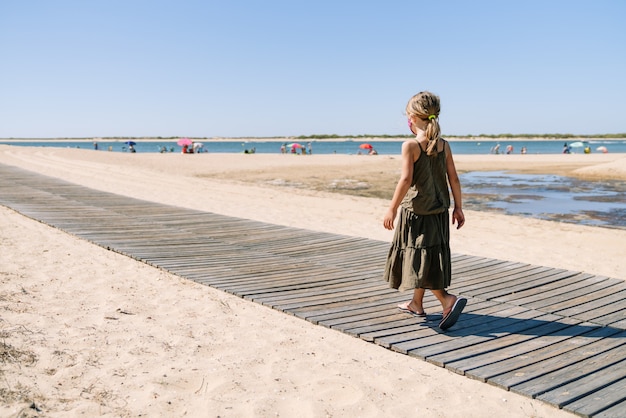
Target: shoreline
x: 357, y: 138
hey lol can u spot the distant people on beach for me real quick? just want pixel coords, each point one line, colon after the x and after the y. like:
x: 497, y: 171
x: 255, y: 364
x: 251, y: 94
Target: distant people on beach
x: 283, y: 148
x: 373, y: 152
x: 131, y: 148
x: 509, y: 149
x: 523, y: 150
x: 95, y: 146
x: 566, y: 149
x: 309, y: 148
x: 294, y: 148
x: 419, y: 257
x: 496, y: 149
x: 587, y: 150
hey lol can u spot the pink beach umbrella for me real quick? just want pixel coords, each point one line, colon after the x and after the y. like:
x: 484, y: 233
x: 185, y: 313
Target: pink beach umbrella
x: 184, y: 141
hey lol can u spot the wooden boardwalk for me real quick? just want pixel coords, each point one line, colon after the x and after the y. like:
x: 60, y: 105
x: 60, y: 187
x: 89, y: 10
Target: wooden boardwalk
x: 551, y: 334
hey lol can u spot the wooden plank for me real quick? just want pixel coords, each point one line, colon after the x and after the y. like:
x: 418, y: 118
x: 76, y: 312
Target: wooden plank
x: 609, y: 379
x: 498, y: 282
x: 346, y: 288
x: 583, y: 347
x: 546, y: 292
x: 390, y: 334
x: 472, y: 272
x: 472, y: 317
x: 614, y: 411
x: 505, y: 371
x: 513, y: 345
x: 500, y: 327
x: 571, y: 369
x: 317, y: 314
x: 341, y: 316
x: 324, y: 299
x: 526, y: 282
x: 385, y: 299
x: 602, y: 304
x: 615, y: 320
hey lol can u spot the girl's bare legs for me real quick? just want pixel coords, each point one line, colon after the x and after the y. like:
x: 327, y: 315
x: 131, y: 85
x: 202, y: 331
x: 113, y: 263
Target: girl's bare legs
x: 415, y: 304
x: 447, y: 300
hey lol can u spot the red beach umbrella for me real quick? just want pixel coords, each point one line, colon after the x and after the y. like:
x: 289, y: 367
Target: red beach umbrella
x: 366, y: 146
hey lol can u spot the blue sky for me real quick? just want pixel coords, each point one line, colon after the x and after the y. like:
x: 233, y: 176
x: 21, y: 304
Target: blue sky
x: 285, y: 68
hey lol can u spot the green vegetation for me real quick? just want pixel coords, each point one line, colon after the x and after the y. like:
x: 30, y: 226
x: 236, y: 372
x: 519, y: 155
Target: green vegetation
x: 546, y: 136
x: 494, y: 136
x: 333, y: 136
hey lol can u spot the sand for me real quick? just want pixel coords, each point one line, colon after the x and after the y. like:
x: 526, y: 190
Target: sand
x: 90, y: 332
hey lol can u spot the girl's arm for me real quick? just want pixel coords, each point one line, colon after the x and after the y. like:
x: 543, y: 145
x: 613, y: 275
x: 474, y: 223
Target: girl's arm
x: 455, y: 186
x: 403, y: 184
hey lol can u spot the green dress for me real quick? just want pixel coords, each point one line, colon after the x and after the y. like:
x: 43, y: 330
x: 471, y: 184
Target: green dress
x: 419, y: 256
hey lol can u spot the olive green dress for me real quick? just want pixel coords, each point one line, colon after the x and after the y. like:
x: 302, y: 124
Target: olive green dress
x: 419, y: 256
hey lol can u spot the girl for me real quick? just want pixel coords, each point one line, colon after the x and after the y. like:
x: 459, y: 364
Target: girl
x: 419, y: 257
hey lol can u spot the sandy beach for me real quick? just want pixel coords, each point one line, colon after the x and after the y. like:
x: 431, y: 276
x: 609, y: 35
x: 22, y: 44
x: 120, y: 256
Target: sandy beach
x: 90, y: 332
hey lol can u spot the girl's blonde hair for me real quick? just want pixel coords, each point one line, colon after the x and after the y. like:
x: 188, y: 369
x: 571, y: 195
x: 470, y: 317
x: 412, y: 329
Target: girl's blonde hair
x: 425, y: 105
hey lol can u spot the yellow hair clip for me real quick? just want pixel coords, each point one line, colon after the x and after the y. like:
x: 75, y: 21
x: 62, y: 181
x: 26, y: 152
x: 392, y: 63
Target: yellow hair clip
x: 431, y: 117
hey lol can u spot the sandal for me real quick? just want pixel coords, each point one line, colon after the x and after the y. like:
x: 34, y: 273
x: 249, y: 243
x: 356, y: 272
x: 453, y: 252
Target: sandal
x: 404, y: 307
x: 451, y: 317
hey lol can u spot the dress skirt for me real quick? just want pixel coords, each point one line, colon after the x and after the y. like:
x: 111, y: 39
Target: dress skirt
x: 419, y: 256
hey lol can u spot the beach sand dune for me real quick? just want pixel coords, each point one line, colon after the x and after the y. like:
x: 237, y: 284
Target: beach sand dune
x: 90, y: 332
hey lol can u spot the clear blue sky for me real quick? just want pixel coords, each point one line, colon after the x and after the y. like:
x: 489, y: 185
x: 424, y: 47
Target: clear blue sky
x: 285, y: 68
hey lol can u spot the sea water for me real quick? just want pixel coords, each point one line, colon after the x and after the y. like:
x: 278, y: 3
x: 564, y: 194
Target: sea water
x: 549, y: 197
x: 345, y: 147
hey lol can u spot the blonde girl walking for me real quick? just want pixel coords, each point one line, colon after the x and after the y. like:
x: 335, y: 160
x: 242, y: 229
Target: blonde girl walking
x: 419, y: 257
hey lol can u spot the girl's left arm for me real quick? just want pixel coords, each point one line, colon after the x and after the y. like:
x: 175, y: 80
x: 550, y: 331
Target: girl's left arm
x: 455, y: 186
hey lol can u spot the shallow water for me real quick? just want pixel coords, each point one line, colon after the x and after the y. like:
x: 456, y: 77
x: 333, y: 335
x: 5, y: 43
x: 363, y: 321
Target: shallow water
x: 550, y: 197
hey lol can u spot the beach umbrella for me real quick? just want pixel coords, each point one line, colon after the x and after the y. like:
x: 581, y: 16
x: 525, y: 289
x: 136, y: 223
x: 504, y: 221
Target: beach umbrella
x: 366, y: 146
x: 130, y: 143
x: 577, y: 144
x: 294, y: 145
x: 184, y: 141
x: 602, y: 148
